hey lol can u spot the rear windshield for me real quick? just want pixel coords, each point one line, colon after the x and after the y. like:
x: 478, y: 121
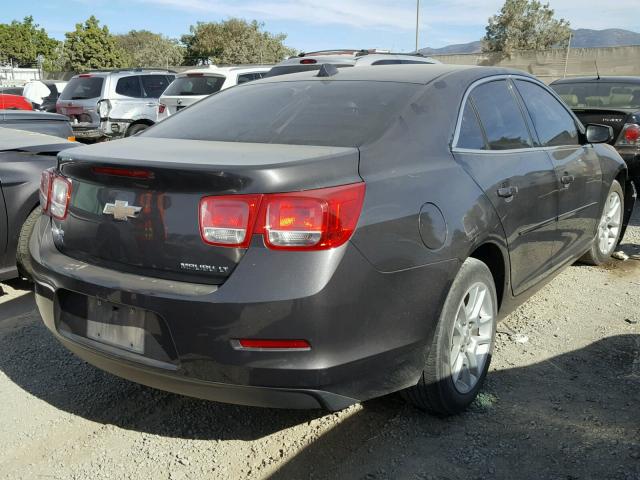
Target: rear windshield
x: 295, y: 68
x: 600, y: 94
x: 332, y: 113
x: 195, y: 85
x: 82, y: 88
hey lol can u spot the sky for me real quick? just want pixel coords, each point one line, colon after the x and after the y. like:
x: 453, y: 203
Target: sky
x: 316, y: 24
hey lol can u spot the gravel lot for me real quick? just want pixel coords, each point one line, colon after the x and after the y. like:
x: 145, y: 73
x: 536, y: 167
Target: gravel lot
x: 562, y: 402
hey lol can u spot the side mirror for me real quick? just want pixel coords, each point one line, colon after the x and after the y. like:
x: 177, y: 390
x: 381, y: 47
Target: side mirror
x: 598, y: 133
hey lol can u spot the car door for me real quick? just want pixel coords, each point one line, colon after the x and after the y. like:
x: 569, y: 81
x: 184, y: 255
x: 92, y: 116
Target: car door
x: 153, y: 86
x: 494, y: 144
x: 578, y: 172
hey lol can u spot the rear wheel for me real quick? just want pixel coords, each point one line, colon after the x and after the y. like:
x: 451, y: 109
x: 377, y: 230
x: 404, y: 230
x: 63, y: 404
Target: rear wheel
x: 609, y: 228
x: 459, y: 357
x: 137, y: 128
x: 23, y: 260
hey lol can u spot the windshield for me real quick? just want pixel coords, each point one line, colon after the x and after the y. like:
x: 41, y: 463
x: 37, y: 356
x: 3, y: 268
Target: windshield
x: 329, y: 113
x: 599, y: 94
x: 82, y: 88
x: 195, y: 85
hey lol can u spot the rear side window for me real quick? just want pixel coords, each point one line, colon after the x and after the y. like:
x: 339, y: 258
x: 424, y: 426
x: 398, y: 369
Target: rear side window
x: 154, y: 85
x: 500, y: 116
x: 471, y: 135
x: 286, y: 69
x: 129, y: 87
x: 82, y: 88
x: 195, y: 85
x: 553, y: 124
x: 249, y: 77
x: 335, y: 113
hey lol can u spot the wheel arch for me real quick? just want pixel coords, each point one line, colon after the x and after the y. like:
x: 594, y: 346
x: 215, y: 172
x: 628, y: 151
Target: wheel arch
x: 496, y: 260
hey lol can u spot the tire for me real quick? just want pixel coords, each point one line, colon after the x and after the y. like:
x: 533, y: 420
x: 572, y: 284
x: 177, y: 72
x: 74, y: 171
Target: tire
x: 610, y: 224
x: 23, y: 259
x: 440, y: 388
x: 137, y: 128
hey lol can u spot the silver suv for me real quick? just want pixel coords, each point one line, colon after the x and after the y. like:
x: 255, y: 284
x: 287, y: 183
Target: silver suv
x: 113, y: 104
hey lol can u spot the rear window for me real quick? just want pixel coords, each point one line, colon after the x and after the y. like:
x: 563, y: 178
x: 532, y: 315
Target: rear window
x: 333, y: 113
x: 82, y: 88
x: 599, y: 94
x: 195, y: 85
x: 154, y: 85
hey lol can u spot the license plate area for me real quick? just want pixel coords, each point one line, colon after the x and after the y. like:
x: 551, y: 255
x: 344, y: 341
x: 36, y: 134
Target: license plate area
x: 124, y: 330
x: 116, y: 325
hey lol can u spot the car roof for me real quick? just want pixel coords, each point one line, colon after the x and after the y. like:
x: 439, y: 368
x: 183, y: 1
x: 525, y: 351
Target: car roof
x: 11, y: 139
x: 402, y: 73
x: 620, y: 79
x: 126, y: 71
x: 349, y: 57
x: 213, y: 69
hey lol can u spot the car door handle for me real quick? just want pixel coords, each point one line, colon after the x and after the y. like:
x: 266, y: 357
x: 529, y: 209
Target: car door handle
x: 507, y: 192
x: 567, y: 179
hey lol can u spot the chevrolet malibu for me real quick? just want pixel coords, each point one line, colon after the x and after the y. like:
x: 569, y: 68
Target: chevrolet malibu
x: 323, y: 238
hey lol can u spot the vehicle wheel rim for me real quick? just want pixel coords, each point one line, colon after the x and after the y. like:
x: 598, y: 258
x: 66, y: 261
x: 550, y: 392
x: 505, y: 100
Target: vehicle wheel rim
x: 472, y: 337
x: 609, y: 227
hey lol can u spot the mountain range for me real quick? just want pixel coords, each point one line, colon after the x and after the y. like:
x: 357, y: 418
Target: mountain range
x: 582, y: 38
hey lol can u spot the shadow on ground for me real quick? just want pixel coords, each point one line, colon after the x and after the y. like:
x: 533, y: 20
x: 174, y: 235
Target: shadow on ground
x: 574, y: 416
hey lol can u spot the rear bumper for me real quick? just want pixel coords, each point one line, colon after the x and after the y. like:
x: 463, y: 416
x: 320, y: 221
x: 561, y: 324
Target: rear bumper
x: 368, y: 330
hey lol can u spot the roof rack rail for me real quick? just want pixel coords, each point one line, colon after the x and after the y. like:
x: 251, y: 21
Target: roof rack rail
x: 135, y: 69
x: 334, y: 51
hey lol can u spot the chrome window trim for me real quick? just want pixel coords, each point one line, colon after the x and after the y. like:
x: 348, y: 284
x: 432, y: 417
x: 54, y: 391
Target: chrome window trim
x: 508, y: 77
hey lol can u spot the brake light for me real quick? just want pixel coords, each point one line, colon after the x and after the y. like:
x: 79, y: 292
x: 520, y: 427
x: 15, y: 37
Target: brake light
x: 45, y: 188
x: 85, y: 75
x: 630, y: 134
x: 195, y: 74
x: 161, y: 108
x: 59, y: 197
x: 227, y: 220
x: 308, y: 61
x: 309, y: 220
x: 122, y: 172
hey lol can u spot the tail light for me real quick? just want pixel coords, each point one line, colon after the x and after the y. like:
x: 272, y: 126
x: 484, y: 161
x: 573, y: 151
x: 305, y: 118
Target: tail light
x: 104, y: 108
x: 630, y: 135
x: 161, y: 108
x: 55, y: 193
x: 310, y: 220
x: 226, y: 221
x: 260, y: 344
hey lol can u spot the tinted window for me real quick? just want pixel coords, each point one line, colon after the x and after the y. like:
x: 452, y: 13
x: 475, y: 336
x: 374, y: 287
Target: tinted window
x: 81, y: 88
x: 599, y: 94
x: 154, y: 85
x: 334, y: 113
x: 195, y: 85
x: 471, y: 135
x: 501, y: 116
x: 552, y: 122
x: 249, y: 77
x: 129, y: 87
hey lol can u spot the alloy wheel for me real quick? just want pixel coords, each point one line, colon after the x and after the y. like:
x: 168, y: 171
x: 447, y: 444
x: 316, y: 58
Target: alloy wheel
x: 609, y: 227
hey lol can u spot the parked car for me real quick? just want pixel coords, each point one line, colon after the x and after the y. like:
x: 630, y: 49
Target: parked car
x: 15, y: 90
x: 23, y: 157
x: 113, y: 104
x: 326, y: 237
x: 43, y: 94
x: 613, y: 101
x: 193, y: 85
x: 39, y: 122
x: 14, y: 102
x: 346, y: 58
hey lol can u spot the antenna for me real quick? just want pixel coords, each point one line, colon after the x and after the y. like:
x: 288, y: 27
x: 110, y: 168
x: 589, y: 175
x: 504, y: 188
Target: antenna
x: 327, y: 70
x: 597, y: 72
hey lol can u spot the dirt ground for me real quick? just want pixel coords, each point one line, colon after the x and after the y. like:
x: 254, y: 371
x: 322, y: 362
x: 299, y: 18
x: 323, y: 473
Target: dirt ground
x: 562, y: 402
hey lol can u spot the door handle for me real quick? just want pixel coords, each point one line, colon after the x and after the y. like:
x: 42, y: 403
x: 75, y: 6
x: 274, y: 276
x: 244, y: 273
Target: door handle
x: 567, y: 179
x: 507, y: 192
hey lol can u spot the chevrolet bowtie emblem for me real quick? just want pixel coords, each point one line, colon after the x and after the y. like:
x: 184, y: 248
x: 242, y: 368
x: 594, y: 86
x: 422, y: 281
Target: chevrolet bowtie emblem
x: 121, y: 210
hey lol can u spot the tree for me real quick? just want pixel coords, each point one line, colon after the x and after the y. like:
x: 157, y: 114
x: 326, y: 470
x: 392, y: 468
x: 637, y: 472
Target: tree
x: 22, y: 42
x: 524, y: 25
x: 234, y: 41
x: 92, y: 47
x: 147, y: 49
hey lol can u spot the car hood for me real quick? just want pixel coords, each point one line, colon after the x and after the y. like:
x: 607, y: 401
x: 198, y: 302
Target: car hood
x: 11, y: 139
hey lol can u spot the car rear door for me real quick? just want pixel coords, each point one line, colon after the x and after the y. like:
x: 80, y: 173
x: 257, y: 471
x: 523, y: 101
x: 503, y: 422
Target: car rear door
x: 495, y: 146
x: 152, y: 87
x: 579, y: 176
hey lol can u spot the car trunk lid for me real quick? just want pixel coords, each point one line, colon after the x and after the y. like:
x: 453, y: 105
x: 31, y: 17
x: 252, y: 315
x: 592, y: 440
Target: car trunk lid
x: 164, y: 180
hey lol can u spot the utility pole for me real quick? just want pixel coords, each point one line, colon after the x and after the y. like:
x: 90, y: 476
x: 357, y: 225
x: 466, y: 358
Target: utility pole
x: 417, y: 23
x: 566, y: 60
